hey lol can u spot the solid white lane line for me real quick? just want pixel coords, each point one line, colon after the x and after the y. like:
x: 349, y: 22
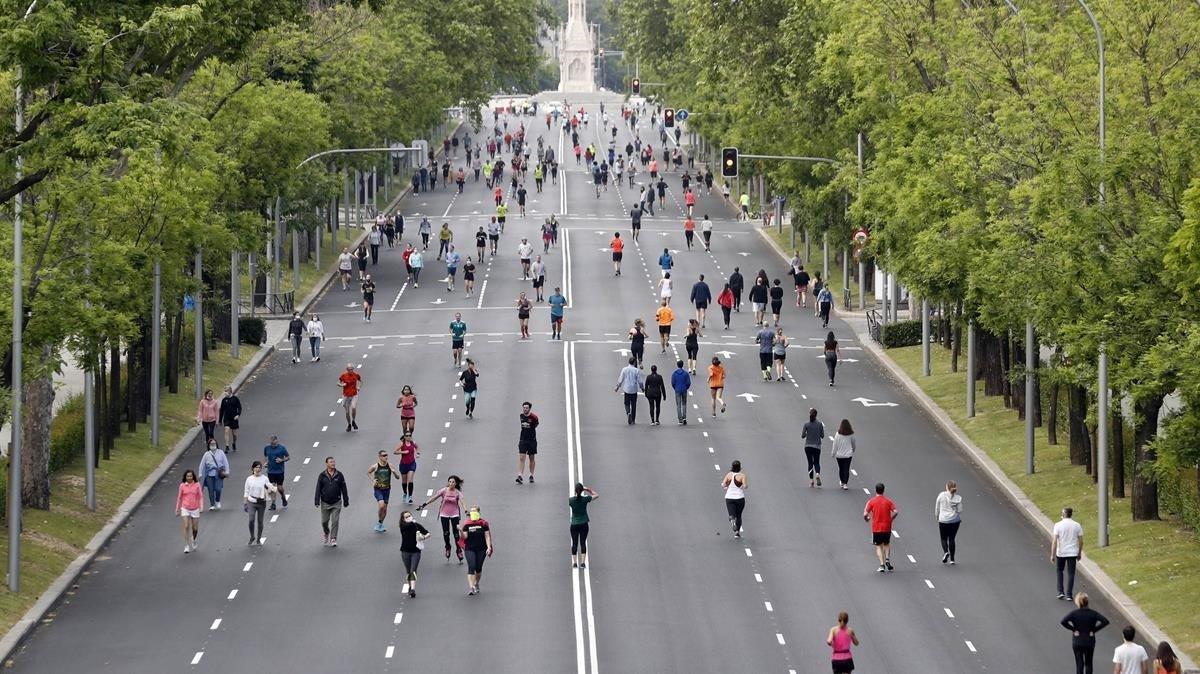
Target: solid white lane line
x: 399, y: 616
x: 247, y: 567
x: 196, y: 657
x: 929, y: 583
x: 216, y: 624
x: 232, y: 594
x: 580, y: 660
x: 391, y: 650
x: 971, y: 647
x: 949, y: 613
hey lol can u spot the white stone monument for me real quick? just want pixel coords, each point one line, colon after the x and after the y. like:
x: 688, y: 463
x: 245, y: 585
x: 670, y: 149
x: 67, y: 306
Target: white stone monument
x: 575, y: 53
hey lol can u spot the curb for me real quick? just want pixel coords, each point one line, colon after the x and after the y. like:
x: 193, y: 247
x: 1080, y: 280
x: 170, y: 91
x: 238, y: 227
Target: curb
x: 1129, y: 609
x: 50, y: 598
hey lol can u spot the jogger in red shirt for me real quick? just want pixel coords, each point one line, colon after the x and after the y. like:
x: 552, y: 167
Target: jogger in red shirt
x: 880, y: 511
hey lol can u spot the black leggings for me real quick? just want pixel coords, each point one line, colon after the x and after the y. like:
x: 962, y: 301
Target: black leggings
x: 947, y: 531
x: 831, y: 366
x: 210, y: 430
x: 735, y: 506
x: 725, y: 311
x: 579, y: 534
x: 411, y: 561
x: 1083, y: 657
x: 449, y: 531
x: 692, y: 351
x: 655, y: 407
x: 638, y: 352
x: 813, y: 454
x: 844, y: 470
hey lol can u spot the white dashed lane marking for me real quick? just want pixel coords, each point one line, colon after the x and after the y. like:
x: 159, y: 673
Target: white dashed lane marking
x: 196, y: 657
x: 216, y: 623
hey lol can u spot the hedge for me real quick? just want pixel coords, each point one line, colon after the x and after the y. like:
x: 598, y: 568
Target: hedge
x: 252, y: 331
x: 905, y: 333
x: 66, y: 433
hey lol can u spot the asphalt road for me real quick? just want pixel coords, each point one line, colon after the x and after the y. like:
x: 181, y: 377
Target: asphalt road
x: 668, y: 589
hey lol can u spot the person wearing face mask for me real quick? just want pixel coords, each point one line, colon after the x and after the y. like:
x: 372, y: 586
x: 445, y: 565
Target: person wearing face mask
x: 477, y: 544
x: 412, y: 542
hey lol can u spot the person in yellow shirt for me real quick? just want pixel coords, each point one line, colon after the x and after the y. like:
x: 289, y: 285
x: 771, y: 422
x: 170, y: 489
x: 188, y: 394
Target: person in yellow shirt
x: 665, y: 317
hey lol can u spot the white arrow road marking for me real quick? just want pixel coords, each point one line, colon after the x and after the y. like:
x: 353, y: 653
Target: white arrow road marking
x: 352, y: 305
x: 867, y: 402
x: 725, y: 354
x: 438, y: 301
x: 840, y: 360
x: 623, y: 352
x: 748, y: 396
x: 744, y: 254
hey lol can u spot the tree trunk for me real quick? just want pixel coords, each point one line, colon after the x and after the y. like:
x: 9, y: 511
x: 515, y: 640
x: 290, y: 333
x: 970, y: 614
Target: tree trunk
x: 114, y: 390
x: 1052, y: 427
x: 1006, y: 361
x: 174, y: 346
x: 957, y: 346
x: 1076, y: 415
x: 130, y: 389
x: 1118, y: 478
x: 990, y: 362
x: 35, y: 452
x: 1018, y: 386
x: 1144, y: 489
x: 106, y: 439
x: 1037, y: 390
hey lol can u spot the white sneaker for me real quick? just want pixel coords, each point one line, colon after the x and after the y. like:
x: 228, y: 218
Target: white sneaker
x: 218, y: 505
x: 187, y: 549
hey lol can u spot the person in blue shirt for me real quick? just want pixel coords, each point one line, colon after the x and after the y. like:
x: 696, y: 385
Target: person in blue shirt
x: 665, y: 262
x: 558, y: 305
x: 458, y: 333
x: 452, y: 261
x: 629, y: 383
x: 681, y: 382
x: 277, y: 455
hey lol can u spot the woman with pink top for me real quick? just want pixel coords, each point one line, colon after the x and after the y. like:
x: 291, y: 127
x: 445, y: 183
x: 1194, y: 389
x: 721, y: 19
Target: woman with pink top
x: 206, y: 415
x: 187, y: 507
x: 840, y: 638
x: 450, y: 513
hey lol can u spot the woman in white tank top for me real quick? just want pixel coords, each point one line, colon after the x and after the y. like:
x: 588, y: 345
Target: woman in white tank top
x: 734, y: 484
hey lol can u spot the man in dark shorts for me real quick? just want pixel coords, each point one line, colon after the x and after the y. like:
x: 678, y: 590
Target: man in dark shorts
x: 635, y: 217
x: 618, y: 248
x: 276, y: 455
x: 880, y: 511
x: 458, y: 333
x: 368, y: 294
x: 527, y: 443
x: 802, y: 278
x: 381, y: 473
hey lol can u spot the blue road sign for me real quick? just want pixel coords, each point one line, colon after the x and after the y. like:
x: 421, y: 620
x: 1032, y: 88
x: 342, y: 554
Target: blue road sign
x: 681, y: 115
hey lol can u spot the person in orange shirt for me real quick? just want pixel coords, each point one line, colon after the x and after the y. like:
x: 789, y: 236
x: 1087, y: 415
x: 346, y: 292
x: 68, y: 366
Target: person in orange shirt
x: 689, y: 230
x: 716, y: 384
x: 689, y: 200
x: 618, y: 247
x: 349, y: 382
x: 665, y: 317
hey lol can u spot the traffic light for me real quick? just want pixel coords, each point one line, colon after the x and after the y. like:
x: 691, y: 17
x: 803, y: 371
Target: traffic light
x: 669, y: 117
x: 729, y: 162
x: 637, y: 86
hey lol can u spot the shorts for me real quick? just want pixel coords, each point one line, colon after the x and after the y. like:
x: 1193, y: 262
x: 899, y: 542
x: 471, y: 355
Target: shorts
x: 475, y: 560
x: 233, y: 423
x: 760, y: 306
x: 350, y: 401
x: 526, y: 260
x: 764, y: 360
x: 843, y: 666
x: 529, y: 448
x: 189, y: 514
x: 539, y: 282
x: 776, y: 307
x: 275, y: 478
x: 664, y: 329
x: 501, y: 219
x: 637, y: 225
x: 555, y: 320
x: 881, y: 537
x: 451, y: 271
x: 456, y: 344
x: 468, y: 276
x: 802, y: 288
x: 407, y: 468
x: 344, y: 271
x: 383, y: 494
x: 616, y: 256
x: 369, y: 300
x: 701, y: 305
x: 494, y: 237
x: 780, y: 357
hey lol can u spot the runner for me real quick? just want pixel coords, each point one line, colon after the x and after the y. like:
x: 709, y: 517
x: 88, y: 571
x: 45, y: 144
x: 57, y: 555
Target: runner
x: 689, y: 200
x: 664, y: 289
x: 617, y: 246
x: 493, y: 229
x: 880, y: 512
x: 716, y: 384
x: 689, y: 230
x: 801, y: 279
x: 744, y: 202
x: 408, y: 451
x: 480, y: 242
x: 558, y: 304
x: 345, y: 266
x: 776, y: 295
x: 458, y: 333
x: 701, y: 296
x: 425, y: 229
x: 655, y: 389
x: 207, y: 412
x: 188, y: 502
x: 579, y: 523
x: 450, y: 512
x: 725, y: 300
x: 361, y: 255
x: 214, y: 468
x: 368, y: 295
x: 817, y: 285
x: 469, y: 276
x: 375, y: 239
x: 470, y: 385
x: 407, y: 404
x: 831, y: 355
x: 629, y: 382
x: 330, y: 497
x: 637, y: 340
x: 843, y: 450
x: 706, y: 230
x: 412, y: 541
x: 525, y: 254
x: 349, y: 381
x: 813, y: 433
x: 734, y: 484
x: 538, y: 271
x: 295, y: 334
x: 521, y: 192
x: 477, y: 543
x: 523, y: 308
x: 453, y: 259
x: 691, y: 344
x: 758, y: 300
x: 779, y: 353
x: 840, y: 638
x: 665, y: 263
x: 547, y: 235
x: 736, y: 283
x: 825, y: 302
x: 681, y: 383
x: 381, y: 473
x: 665, y: 317
x: 948, y: 510
x: 765, y: 340
x: 527, y: 442
x: 501, y: 214
x: 635, y: 220
x: 316, y: 334
x: 254, y: 497
x: 276, y: 456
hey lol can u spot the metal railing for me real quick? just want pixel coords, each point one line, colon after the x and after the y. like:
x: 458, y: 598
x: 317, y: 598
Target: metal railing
x: 873, y: 322
x: 270, y: 304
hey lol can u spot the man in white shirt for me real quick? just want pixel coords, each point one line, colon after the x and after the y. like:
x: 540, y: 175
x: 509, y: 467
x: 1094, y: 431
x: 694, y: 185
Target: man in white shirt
x: 1130, y: 658
x: 1066, y: 547
x: 525, y: 252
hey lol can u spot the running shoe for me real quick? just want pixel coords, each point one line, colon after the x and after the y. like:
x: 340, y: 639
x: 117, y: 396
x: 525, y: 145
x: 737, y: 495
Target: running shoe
x: 333, y: 542
x: 187, y: 549
x: 412, y: 593
x: 583, y: 565
x: 531, y: 478
x: 888, y: 563
x: 722, y: 409
x: 945, y: 557
x: 519, y: 480
x: 1061, y: 596
x: 881, y: 569
x: 347, y: 428
x: 459, y: 552
x: 733, y: 525
x: 354, y: 424
x: 818, y: 480
x: 272, y: 507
